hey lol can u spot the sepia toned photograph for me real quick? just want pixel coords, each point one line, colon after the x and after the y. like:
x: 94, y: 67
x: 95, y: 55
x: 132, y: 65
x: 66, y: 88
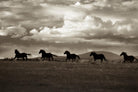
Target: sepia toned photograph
x: 68, y: 45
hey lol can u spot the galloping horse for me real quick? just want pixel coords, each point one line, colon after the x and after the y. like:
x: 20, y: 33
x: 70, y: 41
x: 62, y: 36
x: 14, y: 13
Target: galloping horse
x: 127, y: 58
x: 71, y: 56
x: 46, y: 55
x: 98, y: 56
x: 20, y: 55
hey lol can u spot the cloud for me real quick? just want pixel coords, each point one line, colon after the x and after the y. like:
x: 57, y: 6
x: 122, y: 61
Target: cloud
x: 72, y: 29
x: 69, y: 24
x: 13, y: 31
x: 87, y: 29
x: 70, y: 10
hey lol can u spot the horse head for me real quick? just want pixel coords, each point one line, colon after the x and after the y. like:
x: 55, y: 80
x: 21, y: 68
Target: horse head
x: 92, y: 53
x: 42, y: 51
x: 66, y: 52
x: 123, y: 53
x: 16, y: 51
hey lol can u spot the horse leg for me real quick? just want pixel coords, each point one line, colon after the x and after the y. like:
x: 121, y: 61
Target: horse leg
x: 42, y: 58
x: 23, y: 58
x: 17, y: 58
x: 14, y: 58
x: 73, y: 60
x: 131, y: 61
x: 26, y: 58
x: 101, y: 60
x: 52, y: 58
x: 66, y: 60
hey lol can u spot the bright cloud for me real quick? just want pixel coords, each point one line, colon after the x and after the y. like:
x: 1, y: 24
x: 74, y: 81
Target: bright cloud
x: 84, y: 30
x: 71, y: 28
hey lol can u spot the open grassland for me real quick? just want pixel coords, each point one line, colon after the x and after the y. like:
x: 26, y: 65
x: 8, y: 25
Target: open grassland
x: 43, y: 76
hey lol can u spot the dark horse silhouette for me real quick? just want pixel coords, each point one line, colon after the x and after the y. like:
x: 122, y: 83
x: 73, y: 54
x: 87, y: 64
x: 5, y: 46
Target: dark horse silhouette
x: 98, y: 56
x: 71, y: 56
x: 46, y: 55
x: 20, y: 55
x: 127, y: 58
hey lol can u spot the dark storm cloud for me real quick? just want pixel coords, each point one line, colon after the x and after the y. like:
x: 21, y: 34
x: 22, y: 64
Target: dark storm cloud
x: 87, y: 1
x: 116, y: 38
x: 61, y: 2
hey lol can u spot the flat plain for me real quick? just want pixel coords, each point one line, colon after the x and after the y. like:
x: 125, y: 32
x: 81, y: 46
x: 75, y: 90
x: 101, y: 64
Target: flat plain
x: 55, y: 76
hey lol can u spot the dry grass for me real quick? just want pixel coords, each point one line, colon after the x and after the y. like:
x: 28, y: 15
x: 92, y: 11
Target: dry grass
x: 67, y: 77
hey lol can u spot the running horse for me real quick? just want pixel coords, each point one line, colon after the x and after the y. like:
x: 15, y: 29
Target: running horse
x: 46, y: 55
x: 71, y: 56
x: 98, y: 56
x: 20, y: 55
x: 128, y: 58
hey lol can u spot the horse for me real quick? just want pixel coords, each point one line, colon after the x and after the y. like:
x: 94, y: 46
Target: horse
x: 71, y: 56
x: 98, y: 56
x: 128, y: 58
x: 46, y: 55
x: 20, y: 55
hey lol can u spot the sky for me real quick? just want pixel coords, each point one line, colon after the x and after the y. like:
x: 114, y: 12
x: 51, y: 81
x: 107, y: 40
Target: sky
x: 79, y: 26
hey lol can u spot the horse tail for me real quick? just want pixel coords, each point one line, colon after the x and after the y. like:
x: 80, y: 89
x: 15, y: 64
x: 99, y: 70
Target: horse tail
x: 104, y: 58
x: 78, y: 56
x: 28, y: 54
x: 54, y: 55
x: 136, y: 58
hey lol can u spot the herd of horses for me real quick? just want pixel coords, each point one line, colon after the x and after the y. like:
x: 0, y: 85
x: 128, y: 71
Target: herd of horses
x: 72, y: 57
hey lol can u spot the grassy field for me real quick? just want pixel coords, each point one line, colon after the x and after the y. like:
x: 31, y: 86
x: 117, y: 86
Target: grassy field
x: 39, y: 76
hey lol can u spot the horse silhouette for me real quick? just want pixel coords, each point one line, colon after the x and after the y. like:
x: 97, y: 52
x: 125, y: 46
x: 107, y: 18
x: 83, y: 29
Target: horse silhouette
x: 128, y: 58
x: 71, y: 56
x: 98, y: 56
x: 20, y: 55
x: 46, y: 55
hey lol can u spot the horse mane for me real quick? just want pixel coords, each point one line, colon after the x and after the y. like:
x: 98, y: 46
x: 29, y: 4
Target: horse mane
x: 93, y: 52
x: 67, y: 52
x: 124, y: 53
x: 16, y: 51
x: 43, y: 50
